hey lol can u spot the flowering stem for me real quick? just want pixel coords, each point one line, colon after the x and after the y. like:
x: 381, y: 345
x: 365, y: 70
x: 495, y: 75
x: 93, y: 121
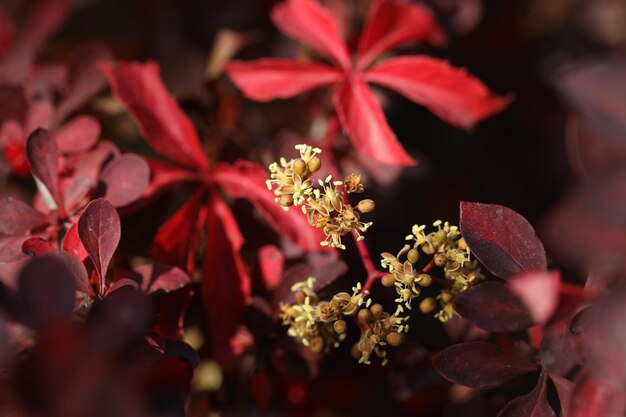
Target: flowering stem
x: 373, y: 274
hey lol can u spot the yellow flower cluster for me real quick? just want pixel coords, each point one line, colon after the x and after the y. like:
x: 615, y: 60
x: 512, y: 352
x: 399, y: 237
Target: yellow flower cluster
x: 326, y: 207
x: 448, y: 251
x: 379, y: 329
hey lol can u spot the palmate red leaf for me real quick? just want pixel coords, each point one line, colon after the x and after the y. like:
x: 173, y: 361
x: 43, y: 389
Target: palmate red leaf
x: 246, y: 180
x: 159, y: 277
x: 391, y: 23
x: 125, y: 179
x: 163, y: 124
x: 225, y: 283
x: 269, y: 79
x: 501, y: 239
x: 449, y: 92
x: 100, y: 231
x: 78, y: 135
x: 46, y: 290
x: 43, y: 158
x: 533, y: 404
x: 492, y: 306
x: 312, y: 24
x: 363, y: 120
x: 177, y: 239
x: 18, y: 217
x: 539, y: 291
x: 479, y: 365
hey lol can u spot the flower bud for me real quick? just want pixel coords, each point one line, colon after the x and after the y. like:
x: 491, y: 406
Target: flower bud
x: 461, y: 244
x: 286, y: 200
x: 394, y: 338
x: 299, y: 167
x: 388, y: 280
x: 364, y: 316
x: 314, y: 164
x: 376, y: 310
x: 413, y: 256
x: 340, y: 326
x: 428, y: 305
x: 440, y: 259
x: 424, y: 280
x: 317, y: 344
x: 365, y: 206
x: 300, y: 297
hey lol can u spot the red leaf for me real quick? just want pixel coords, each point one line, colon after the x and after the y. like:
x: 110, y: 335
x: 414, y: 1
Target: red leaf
x: 247, y: 180
x: 90, y: 164
x: 364, y: 122
x: 533, y: 404
x: 164, y: 176
x: 72, y: 243
x: 43, y: 159
x: 593, y: 397
x: 225, y: 282
x: 36, y: 246
x: 164, y: 125
x: 18, y: 217
x: 45, y: 18
x: 269, y: 79
x: 312, y: 24
x: 501, y: 239
x: 7, y: 31
x: 125, y: 179
x: 46, y: 290
x: 11, y: 248
x: 391, y: 23
x: 539, y: 291
x: 177, y: 240
x: 271, y: 262
x: 492, y: 306
x: 99, y: 230
x: 564, y: 390
x: 162, y: 278
x: 450, y: 93
x: 479, y: 365
x: 78, y: 135
x: 77, y: 270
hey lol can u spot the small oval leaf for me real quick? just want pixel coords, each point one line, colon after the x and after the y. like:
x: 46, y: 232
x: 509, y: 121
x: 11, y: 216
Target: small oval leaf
x: 125, y: 179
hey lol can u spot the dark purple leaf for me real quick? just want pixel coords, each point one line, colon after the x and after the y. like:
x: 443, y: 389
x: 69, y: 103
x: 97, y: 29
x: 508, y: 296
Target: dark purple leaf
x: 125, y: 179
x: 564, y: 391
x: 558, y: 352
x: 533, y: 404
x: 492, y: 306
x: 43, y: 158
x: 46, y: 290
x: 479, y: 365
x: 18, y: 217
x: 99, y: 230
x: 501, y: 239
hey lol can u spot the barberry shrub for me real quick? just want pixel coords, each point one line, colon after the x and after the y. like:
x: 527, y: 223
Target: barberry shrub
x: 249, y: 237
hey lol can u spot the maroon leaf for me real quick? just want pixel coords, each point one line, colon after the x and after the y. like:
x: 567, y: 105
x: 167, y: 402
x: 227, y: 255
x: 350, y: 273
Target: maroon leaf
x: 449, y: 92
x: 72, y: 243
x: 164, y: 125
x: 564, y: 390
x: 539, y: 291
x: 501, y: 239
x: 46, y: 16
x: 46, y: 290
x: 177, y: 240
x: 125, y: 179
x: 78, y: 135
x: 90, y: 164
x: 558, y: 352
x: 246, y: 180
x: 479, y: 365
x: 99, y: 230
x: 363, y: 120
x: 269, y: 79
x: 162, y: 278
x: 533, y: 404
x: 43, y: 159
x: 312, y: 24
x: 596, y: 209
x: 164, y: 176
x: 11, y: 248
x: 593, y: 397
x: 225, y: 282
x: 18, y: 217
x: 492, y: 306
x: 391, y: 23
